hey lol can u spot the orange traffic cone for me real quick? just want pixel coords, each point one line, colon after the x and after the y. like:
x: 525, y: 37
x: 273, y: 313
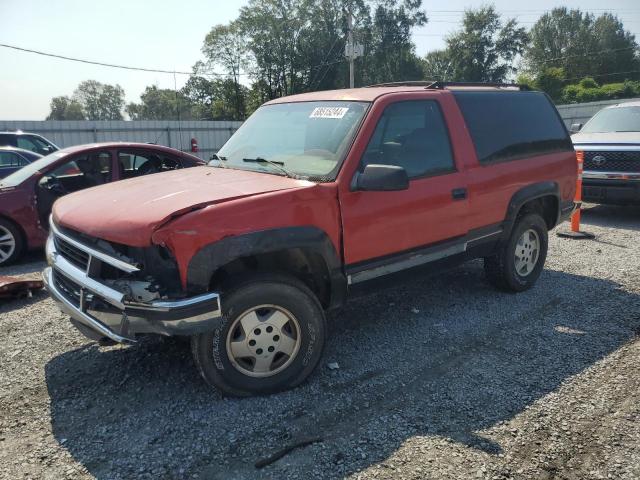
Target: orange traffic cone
x: 575, y: 231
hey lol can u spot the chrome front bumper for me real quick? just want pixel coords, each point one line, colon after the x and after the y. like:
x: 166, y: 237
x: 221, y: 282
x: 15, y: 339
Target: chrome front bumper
x: 100, y: 311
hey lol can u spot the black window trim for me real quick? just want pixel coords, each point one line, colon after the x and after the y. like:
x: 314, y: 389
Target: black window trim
x: 434, y: 173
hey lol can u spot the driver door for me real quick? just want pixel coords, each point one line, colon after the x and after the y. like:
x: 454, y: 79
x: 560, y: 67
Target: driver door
x: 74, y: 174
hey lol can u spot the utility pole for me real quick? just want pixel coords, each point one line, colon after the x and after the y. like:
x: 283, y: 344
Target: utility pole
x: 350, y: 49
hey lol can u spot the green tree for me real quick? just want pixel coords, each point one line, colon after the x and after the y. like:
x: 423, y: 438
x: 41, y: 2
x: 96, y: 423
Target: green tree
x: 390, y: 52
x: 298, y: 45
x: 582, y: 45
x: 215, y: 99
x: 63, y: 108
x: 226, y: 46
x: 438, y: 65
x: 486, y: 47
x: 160, y: 104
x: 100, y: 101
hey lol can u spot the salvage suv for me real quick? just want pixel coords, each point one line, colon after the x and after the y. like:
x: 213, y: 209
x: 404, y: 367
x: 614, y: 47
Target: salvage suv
x: 316, y: 196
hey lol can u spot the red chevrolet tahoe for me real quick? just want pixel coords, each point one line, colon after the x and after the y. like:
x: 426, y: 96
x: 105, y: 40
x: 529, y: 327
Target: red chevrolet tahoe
x: 315, y: 196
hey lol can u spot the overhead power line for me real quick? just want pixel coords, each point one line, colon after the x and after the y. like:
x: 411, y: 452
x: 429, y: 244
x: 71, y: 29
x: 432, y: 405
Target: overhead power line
x: 102, y: 64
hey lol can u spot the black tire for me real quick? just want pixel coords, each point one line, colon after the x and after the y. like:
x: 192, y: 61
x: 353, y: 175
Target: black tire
x: 210, y: 349
x: 500, y: 269
x: 8, y: 228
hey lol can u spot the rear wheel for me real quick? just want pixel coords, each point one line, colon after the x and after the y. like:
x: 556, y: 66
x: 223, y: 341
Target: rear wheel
x: 11, y: 242
x: 520, y: 261
x: 271, y: 338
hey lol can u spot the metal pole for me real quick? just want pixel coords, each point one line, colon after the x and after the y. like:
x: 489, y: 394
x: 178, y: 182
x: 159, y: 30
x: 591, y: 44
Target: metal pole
x: 350, y: 50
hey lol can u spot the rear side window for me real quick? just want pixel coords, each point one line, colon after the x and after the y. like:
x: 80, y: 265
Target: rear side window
x: 512, y: 125
x: 10, y: 159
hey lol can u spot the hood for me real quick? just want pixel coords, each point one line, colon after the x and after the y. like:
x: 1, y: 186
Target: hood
x: 128, y: 211
x: 606, y: 138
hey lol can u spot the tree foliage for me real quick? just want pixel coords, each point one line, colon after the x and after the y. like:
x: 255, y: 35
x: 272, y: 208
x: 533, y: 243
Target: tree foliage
x: 91, y: 100
x: 161, y: 104
x: 483, y: 51
x: 63, y: 108
x: 218, y: 99
x: 100, y: 101
x: 582, y: 45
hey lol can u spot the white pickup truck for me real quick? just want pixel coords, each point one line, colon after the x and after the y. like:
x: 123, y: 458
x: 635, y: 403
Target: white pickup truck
x: 610, y: 141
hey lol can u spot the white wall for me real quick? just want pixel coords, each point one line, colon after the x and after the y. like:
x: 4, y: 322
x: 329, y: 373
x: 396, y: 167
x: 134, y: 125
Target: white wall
x: 211, y: 135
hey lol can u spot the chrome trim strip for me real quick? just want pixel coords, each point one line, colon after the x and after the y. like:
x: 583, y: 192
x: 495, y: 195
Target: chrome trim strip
x: 80, y: 277
x: 165, y: 306
x: 606, y: 148
x: 596, y: 175
x: 75, y: 313
x: 416, y: 260
x: 497, y: 232
x: 119, y: 264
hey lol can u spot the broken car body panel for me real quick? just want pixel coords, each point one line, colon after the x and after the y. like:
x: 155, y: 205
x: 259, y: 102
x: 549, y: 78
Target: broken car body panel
x: 143, y: 204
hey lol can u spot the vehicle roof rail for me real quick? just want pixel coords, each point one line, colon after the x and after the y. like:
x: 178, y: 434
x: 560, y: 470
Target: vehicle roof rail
x: 438, y: 85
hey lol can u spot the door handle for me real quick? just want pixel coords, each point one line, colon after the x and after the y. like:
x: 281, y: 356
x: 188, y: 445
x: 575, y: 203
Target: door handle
x: 459, y: 193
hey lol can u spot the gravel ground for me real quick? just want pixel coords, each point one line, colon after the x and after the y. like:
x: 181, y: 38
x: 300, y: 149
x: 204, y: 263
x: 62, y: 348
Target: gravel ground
x: 443, y: 378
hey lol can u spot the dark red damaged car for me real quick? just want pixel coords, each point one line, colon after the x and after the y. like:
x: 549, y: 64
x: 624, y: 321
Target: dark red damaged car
x: 26, y: 196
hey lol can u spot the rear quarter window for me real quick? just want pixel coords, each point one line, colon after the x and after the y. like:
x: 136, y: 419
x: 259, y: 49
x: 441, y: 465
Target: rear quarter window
x: 514, y: 125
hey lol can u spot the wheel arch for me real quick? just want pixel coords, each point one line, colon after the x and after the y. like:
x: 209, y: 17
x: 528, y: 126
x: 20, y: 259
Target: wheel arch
x: 542, y: 198
x: 304, y: 252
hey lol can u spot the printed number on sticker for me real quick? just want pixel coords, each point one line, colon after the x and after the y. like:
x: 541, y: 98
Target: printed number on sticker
x: 328, y: 112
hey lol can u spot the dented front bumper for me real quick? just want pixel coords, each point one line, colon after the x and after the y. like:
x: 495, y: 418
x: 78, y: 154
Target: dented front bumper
x: 99, y: 311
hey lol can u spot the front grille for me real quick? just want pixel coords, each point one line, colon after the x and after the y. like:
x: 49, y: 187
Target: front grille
x: 68, y: 288
x: 73, y: 254
x: 612, y: 161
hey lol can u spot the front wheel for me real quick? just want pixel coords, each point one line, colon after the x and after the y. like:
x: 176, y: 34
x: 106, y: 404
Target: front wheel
x: 271, y: 338
x: 519, y: 262
x: 11, y: 243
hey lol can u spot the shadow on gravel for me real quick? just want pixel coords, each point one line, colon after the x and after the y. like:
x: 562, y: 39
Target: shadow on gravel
x: 10, y: 304
x: 625, y: 218
x: 447, y: 358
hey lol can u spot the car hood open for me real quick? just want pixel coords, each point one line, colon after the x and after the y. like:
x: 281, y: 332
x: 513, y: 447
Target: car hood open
x: 129, y: 211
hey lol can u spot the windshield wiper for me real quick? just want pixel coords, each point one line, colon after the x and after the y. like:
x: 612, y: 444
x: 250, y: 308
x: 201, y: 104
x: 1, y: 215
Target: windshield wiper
x: 221, y: 161
x: 278, y: 165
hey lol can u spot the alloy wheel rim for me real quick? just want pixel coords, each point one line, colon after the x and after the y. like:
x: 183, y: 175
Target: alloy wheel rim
x: 527, y: 252
x: 7, y: 244
x: 263, y: 341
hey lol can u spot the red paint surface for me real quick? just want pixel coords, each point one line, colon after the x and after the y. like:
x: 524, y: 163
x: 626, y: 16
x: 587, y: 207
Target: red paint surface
x: 129, y: 212
x: 361, y: 225
x: 18, y: 203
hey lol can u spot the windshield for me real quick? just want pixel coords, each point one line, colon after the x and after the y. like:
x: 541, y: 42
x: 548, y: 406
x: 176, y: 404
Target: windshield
x: 27, y: 171
x: 308, y: 139
x: 618, y: 119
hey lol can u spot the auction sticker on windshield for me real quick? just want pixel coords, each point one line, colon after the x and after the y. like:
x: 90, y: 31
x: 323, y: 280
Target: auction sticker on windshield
x: 329, y: 112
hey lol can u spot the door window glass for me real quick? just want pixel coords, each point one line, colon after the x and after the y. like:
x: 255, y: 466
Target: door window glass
x: 136, y: 163
x: 84, y: 171
x: 411, y: 135
x: 28, y: 142
x: 10, y: 159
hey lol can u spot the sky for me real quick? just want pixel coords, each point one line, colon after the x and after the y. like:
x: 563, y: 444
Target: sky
x: 168, y: 35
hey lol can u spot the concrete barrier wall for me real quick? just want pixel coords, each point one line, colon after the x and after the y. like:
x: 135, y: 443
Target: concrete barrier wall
x: 211, y: 135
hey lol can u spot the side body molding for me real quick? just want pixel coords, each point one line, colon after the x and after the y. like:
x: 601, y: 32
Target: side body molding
x: 213, y: 256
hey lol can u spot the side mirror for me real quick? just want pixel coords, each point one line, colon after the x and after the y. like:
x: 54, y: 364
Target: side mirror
x: 575, y: 127
x: 382, y: 178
